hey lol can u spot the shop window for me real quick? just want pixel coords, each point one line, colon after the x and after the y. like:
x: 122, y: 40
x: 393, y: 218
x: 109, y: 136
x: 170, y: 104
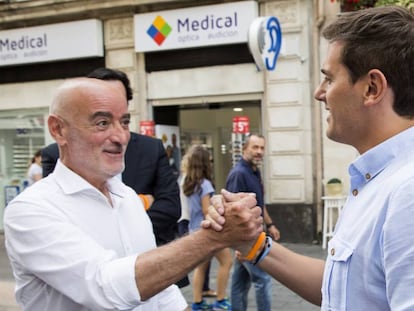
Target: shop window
x: 21, y: 135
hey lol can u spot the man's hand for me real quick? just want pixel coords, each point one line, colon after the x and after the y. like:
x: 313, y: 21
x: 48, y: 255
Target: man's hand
x: 215, y: 217
x: 236, y: 217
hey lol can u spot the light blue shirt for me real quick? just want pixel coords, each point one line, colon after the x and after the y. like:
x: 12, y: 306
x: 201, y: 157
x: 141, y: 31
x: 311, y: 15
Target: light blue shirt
x: 370, y: 263
x: 194, y: 204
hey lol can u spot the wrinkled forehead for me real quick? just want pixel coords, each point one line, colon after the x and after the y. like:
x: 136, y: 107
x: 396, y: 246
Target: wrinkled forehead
x: 86, y: 94
x: 253, y: 141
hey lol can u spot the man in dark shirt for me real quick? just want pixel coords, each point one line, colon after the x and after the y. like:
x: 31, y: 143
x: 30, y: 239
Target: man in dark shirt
x: 245, y: 177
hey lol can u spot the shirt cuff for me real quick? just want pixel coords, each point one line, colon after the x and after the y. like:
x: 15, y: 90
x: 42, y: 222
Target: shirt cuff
x: 118, y: 283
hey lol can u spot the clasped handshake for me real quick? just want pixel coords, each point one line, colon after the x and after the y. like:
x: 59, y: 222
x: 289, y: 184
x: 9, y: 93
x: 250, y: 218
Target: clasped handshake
x: 235, y: 221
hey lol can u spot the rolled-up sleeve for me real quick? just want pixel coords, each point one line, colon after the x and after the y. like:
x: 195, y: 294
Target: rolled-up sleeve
x: 117, y: 279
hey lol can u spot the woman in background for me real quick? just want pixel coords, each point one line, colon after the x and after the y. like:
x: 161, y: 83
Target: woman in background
x: 198, y: 189
x: 34, y: 172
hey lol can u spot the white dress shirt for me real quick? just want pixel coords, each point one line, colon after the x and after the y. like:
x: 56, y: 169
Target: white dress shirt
x: 71, y: 250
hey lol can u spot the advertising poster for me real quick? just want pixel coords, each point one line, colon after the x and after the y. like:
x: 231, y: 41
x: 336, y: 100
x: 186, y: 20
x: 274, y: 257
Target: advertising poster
x: 170, y: 136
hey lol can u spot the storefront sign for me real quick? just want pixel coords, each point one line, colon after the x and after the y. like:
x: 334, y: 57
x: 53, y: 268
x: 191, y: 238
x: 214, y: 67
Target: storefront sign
x: 70, y: 40
x: 241, y: 125
x: 193, y: 27
x: 265, y: 39
x: 147, y: 128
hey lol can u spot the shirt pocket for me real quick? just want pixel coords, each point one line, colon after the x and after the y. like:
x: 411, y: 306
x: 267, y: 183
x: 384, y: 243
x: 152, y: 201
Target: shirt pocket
x: 336, y: 276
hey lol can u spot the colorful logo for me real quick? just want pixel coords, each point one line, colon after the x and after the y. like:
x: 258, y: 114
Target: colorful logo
x: 159, y: 30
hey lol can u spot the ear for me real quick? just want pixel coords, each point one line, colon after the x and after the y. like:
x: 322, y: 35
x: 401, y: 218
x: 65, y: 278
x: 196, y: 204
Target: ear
x: 56, y: 127
x: 377, y: 87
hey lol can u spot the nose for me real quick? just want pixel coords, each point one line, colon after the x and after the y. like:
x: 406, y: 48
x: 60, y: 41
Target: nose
x: 319, y: 93
x: 120, y: 133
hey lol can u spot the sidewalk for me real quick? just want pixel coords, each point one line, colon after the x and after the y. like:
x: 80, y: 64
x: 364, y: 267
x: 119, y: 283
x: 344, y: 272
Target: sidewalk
x: 282, y: 298
x: 7, y: 302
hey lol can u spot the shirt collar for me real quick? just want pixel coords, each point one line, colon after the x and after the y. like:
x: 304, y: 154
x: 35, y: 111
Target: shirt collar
x: 244, y: 162
x: 250, y: 168
x: 371, y: 163
x: 70, y: 182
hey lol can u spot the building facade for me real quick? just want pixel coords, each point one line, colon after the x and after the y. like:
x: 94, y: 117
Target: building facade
x: 197, y: 86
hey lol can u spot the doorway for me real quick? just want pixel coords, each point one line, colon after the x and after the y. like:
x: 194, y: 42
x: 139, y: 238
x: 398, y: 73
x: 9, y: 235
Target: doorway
x: 211, y: 126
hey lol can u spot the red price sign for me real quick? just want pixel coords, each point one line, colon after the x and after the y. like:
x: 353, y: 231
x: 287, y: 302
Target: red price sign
x: 147, y: 128
x: 241, y: 125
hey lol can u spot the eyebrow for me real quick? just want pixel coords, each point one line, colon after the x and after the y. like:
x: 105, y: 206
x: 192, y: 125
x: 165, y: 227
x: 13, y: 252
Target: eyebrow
x: 106, y: 114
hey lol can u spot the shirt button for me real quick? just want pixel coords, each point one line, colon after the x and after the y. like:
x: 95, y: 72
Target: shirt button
x: 368, y: 176
x: 355, y: 192
x: 332, y: 251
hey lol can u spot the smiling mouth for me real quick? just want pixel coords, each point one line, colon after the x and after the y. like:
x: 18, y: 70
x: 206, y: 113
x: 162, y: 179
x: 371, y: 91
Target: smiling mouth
x: 114, y: 152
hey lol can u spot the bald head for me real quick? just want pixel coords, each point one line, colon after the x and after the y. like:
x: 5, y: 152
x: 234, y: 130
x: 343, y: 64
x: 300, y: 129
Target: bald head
x: 73, y: 93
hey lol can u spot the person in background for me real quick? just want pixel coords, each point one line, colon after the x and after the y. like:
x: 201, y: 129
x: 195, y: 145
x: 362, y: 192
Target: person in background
x: 368, y: 92
x: 171, y: 160
x: 176, y: 152
x: 182, y: 226
x: 246, y: 177
x: 34, y: 172
x: 198, y: 189
x: 207, y: 291
x: 80, y: 239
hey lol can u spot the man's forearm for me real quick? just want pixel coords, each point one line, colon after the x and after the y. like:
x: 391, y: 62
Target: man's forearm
x: 159, y: 268
x: 301, y: 274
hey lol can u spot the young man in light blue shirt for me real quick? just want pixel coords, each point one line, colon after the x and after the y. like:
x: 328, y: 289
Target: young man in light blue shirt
x: 368, y: 91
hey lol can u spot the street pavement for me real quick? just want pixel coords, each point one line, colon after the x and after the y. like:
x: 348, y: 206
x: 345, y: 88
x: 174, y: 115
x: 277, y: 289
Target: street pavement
x: 282, y: 298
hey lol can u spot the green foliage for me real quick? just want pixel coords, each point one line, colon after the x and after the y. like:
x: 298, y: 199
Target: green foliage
x: 404, y: 3
x: 334, y: 181
x: 362, y: 4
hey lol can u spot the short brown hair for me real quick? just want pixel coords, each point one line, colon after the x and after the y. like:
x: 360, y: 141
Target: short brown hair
x: 247, y: 139
x: 379, y: 38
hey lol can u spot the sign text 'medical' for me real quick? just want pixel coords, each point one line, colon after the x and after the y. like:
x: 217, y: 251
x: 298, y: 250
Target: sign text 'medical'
x: 25, y: 42
x: 209, y: 22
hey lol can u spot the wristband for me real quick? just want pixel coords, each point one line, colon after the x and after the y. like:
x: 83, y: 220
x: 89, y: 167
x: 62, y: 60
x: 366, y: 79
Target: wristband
x: 145, y: 201
x: 259, y: 243
x: 265, y: 251
x: 270, y: 225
